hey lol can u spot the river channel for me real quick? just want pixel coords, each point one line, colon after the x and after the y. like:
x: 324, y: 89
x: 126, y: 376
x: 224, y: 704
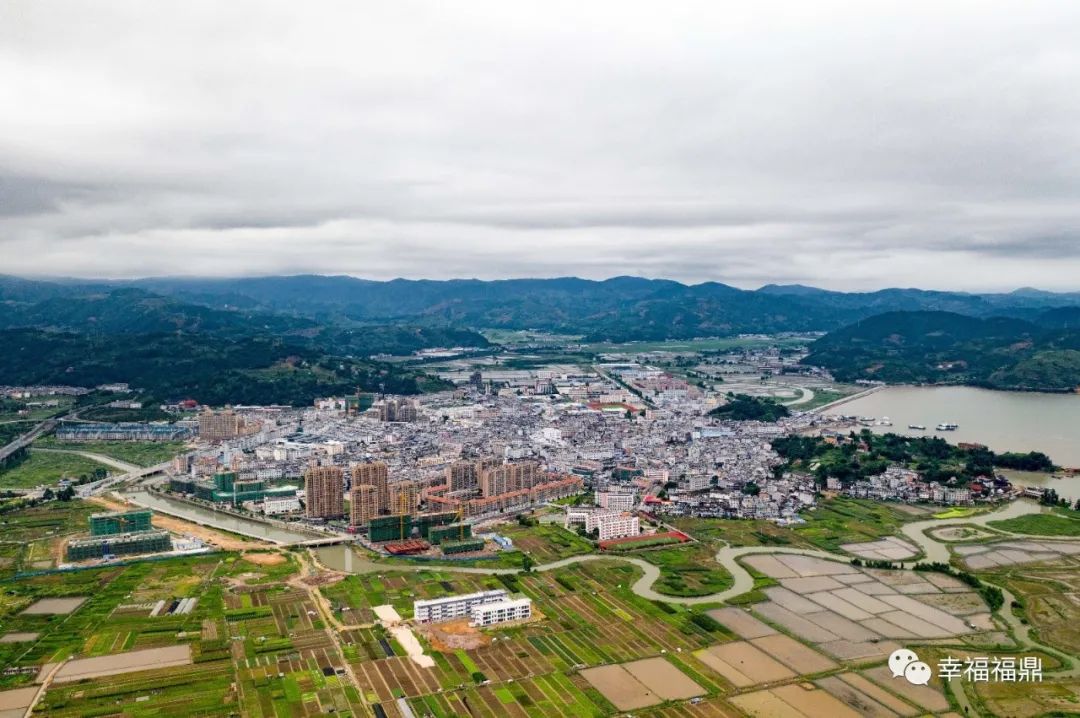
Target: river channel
x: 217, y: 519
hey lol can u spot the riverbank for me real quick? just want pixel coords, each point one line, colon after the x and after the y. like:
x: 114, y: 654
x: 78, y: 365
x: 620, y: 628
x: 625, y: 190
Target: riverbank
x: 225, y: 521
x: 846, y: 399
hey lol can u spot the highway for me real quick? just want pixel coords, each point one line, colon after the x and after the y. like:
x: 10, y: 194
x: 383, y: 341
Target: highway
x: 27, y: 438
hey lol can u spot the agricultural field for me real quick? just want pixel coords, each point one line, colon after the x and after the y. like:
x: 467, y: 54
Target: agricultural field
x: 1049, y: 598
x: 591, y: 619
x: 43, y: 468
x: 687, y: 570
x: 140, y: 453
x: 740, y: 532
x: 545, y: 542
x: 253, y: 644
x: 29, y: 535
x: 840, y: 520
x: 834, y: 522
x: 9, y: 408
x: 1059, y: 522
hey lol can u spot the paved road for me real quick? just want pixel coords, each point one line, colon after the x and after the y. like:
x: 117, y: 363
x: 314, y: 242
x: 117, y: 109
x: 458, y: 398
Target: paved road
x: 27, y: 438
x: 806, y: 398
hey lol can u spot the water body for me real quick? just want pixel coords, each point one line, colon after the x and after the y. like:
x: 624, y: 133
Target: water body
x: 215, y: 519
x: 1002, y: 420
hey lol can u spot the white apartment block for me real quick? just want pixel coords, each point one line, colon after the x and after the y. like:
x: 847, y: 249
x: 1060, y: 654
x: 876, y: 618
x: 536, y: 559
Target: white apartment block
x: 616, y: 501
x: 608, y: 524
x: 283, y: 505
x: 697, y: 482
x: 435, y: 610
x: 487, y: 614
x: 618, y: 526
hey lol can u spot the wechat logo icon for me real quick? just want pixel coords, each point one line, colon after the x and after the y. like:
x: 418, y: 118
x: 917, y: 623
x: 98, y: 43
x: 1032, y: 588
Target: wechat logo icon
x: 904, y: 662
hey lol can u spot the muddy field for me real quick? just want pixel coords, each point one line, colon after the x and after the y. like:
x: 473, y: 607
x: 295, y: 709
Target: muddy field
x: 145, y: 660
x: 663, y: 679
x: 1008, y: 553
x: 854, y: 613
x: 743, y: 664
x: 622, y: 689
x: 640, y: 684
x: 54, y: 606
x: 889, y: 548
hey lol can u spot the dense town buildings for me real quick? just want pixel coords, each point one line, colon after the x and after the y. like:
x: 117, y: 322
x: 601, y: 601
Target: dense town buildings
x: 632, y: 436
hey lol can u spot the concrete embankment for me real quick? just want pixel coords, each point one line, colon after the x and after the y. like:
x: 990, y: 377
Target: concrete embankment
x: 844, y: 400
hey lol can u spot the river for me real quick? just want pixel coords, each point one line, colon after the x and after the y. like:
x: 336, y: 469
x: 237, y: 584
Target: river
x: 216, y: 519
x: 1002, y: 420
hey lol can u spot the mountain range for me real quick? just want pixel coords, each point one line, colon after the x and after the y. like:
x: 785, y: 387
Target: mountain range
x: 945, y: 347
x: 617, y: 309
x: 290, y: 338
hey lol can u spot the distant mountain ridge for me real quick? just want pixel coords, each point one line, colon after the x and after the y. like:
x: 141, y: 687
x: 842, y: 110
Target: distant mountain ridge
x: 944, y: 347
x: 616, y: 309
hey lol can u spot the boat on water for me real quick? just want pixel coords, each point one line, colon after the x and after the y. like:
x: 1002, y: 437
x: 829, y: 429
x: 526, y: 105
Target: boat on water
x: 917, y: 427
x: 947, y: 426
x: 884, y: 421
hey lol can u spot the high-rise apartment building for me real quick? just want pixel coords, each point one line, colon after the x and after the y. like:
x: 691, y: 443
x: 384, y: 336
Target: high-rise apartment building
x: 404, y: 497
x: 363, y: 504
x: 397, y: 410
x: 463, y: 476
x: 220, y: 425
x: 509, y: 477
x: 375, y: 474
x: 324, y: 486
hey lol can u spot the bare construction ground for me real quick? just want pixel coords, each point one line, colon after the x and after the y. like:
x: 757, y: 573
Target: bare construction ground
x: 889, y: 548
x: 743, y: 664
x: 147, y: 659
x: 19, y: 637
x: 664, y: 679
x: 54, y: 606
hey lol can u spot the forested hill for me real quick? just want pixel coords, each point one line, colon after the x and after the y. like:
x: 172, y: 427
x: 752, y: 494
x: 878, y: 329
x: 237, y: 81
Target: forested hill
x: 618, y: 309
x: 944, y: 347
x: 173, y: 350
x: 211, y: 369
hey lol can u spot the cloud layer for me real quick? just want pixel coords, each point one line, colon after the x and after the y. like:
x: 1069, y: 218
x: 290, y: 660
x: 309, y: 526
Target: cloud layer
x: 843, y: 144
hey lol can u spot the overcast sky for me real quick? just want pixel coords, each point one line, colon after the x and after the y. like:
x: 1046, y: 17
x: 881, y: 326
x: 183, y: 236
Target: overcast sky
x: 848, y: 145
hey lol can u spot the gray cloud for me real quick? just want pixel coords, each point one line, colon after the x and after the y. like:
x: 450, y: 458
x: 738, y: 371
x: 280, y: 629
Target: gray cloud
x: 844, y: 144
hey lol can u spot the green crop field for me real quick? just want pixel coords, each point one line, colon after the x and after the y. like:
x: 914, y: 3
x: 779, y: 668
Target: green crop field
x: 843, y: 520
x: 546, y: 542
x: 688, y: 570
x: 740, y: 532
x: 44, y: 468
x: 140, y: 453
x: 1061, y: 522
